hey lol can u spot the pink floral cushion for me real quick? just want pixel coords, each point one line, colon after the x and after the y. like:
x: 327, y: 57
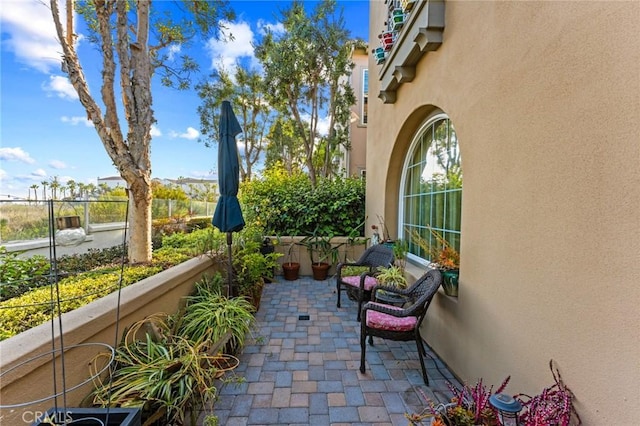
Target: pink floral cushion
x: 369, y: 282
x: 382, y: 321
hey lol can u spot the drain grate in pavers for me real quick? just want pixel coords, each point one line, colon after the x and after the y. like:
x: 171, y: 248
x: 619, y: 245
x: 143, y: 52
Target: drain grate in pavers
x: 303, y: 317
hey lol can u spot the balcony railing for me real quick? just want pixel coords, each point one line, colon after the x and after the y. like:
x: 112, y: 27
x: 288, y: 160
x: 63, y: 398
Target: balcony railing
x: 420, y: 34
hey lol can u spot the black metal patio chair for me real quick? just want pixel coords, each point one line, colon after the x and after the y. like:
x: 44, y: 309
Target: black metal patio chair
x: 398, y: 323
x: 360, y: 285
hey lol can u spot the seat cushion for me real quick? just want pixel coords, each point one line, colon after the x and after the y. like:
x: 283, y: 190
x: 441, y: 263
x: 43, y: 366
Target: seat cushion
x: 354, y: 281
x: 382, y: 321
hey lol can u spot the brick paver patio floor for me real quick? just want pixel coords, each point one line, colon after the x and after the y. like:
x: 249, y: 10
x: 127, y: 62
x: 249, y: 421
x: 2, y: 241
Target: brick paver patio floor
x: 306, y: 371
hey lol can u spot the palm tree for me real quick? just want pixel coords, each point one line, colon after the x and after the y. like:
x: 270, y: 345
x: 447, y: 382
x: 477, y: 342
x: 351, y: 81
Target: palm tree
x: 81, y: 189
x: 44, y: 184
x: 35, y: 191
x: 54, y: 185
x: 71, y: 184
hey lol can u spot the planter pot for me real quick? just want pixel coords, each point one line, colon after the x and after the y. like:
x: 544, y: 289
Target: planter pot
x: 93, y: 416
x: 291, y: 271
x: 450, y: 282
x: 320, y: 271
x: 387, y: 38
x: 378, y: 54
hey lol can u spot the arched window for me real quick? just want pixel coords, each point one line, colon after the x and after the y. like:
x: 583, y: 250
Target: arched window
x: 431, y: 192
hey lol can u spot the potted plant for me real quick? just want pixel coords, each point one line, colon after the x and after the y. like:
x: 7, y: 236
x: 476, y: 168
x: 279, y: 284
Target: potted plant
x: 290, y: 267
x: 322, y: 253
x: 444, y: 257
x: 469, y: 406
x: 552, y: 406
x: 392, y: 276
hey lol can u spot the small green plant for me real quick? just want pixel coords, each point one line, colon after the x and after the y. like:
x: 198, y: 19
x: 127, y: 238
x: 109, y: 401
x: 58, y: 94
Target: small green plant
x: 392, y: 276
x: 320, y: 247
x: 209, y: 316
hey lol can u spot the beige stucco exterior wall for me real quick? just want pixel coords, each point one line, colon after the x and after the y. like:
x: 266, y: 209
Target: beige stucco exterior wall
x: 357, y: 155
x: 545, y: 98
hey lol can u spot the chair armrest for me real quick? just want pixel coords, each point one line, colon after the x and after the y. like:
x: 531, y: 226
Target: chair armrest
x: 389, y: 289
x: 385, y: 309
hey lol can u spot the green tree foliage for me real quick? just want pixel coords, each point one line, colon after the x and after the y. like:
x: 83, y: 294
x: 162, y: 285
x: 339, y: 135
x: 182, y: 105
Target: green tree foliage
x: 287, y: 204
x: 307, y: 68
x: 167, y: 192
x: 133, y: 38
x: 245, y: 89
x: 284, y: 146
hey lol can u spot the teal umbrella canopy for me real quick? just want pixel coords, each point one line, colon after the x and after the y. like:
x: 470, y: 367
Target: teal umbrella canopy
x: 228, y: 215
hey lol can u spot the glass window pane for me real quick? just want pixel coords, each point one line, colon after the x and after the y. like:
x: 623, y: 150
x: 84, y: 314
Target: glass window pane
x: 432, y: 189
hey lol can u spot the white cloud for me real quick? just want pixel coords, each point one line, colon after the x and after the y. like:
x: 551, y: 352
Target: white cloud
x: 15, y: 154
x: 322, y: 126
x: 38, y: 173
x: 3, y: 174
x: 264, y: 27
x: 236, y: 43
x: 174, y: 49
x: 190, y: 134
x: 57, y: 164
x: 29, y: 32
x: 155, y: 131
x: 74, y: 121
x: 61, y: 87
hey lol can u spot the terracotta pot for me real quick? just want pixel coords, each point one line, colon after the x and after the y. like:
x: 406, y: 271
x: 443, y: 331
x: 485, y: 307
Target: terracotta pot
x: 291, y: 271
x: 320, y: 271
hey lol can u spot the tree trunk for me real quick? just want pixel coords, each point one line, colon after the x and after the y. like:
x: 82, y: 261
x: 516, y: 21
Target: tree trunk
x: 140, y: 222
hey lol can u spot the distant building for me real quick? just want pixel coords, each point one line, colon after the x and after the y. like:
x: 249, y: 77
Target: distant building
x: 187, y: 184
x: 112, y: 182
x: 353, y: 161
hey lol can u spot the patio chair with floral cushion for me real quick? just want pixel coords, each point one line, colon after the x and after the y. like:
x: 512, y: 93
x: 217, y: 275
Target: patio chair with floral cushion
x: 360, y: 285
x: 398, y: 323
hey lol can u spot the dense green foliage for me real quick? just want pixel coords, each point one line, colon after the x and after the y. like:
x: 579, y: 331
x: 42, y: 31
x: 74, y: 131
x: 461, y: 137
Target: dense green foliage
x: 36, y: 307
x: 287, y: 204
x: 18, y: 276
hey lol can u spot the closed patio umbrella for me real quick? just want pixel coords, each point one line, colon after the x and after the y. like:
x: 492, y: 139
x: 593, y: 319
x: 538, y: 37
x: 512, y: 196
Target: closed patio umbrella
x: 228, y: 215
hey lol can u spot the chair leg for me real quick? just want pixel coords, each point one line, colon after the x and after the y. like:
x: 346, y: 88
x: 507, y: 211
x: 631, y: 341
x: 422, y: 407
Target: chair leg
x: 338, y: 288
x: 363, y: 346
x: 424, y: 369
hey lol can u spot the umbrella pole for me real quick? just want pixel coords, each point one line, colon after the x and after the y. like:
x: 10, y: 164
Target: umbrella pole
x: 230, y: 267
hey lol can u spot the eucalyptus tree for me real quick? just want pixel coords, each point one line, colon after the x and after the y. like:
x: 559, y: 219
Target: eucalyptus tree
x: 134, y: 41
x: 245, y: 89
x: 285, y: 146
x: 307, y: 69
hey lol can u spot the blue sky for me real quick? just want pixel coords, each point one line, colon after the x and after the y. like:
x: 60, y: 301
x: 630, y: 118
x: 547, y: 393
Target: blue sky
x: 43, y: 128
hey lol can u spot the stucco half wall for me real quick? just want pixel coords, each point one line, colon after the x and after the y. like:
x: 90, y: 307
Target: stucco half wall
x: 545, y: 99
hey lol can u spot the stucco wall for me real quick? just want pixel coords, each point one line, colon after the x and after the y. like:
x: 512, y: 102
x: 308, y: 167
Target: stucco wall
x: 545, y: 99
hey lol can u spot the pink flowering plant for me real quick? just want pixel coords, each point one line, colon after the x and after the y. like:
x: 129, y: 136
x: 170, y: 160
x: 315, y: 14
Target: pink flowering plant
x: 469, y: 406
x: 552, y: 407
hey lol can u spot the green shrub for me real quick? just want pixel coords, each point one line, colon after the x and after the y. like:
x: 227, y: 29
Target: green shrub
x: 35, y: 307
x: 92, y: 259
x: 18, y: 276
x: 286, y: 204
